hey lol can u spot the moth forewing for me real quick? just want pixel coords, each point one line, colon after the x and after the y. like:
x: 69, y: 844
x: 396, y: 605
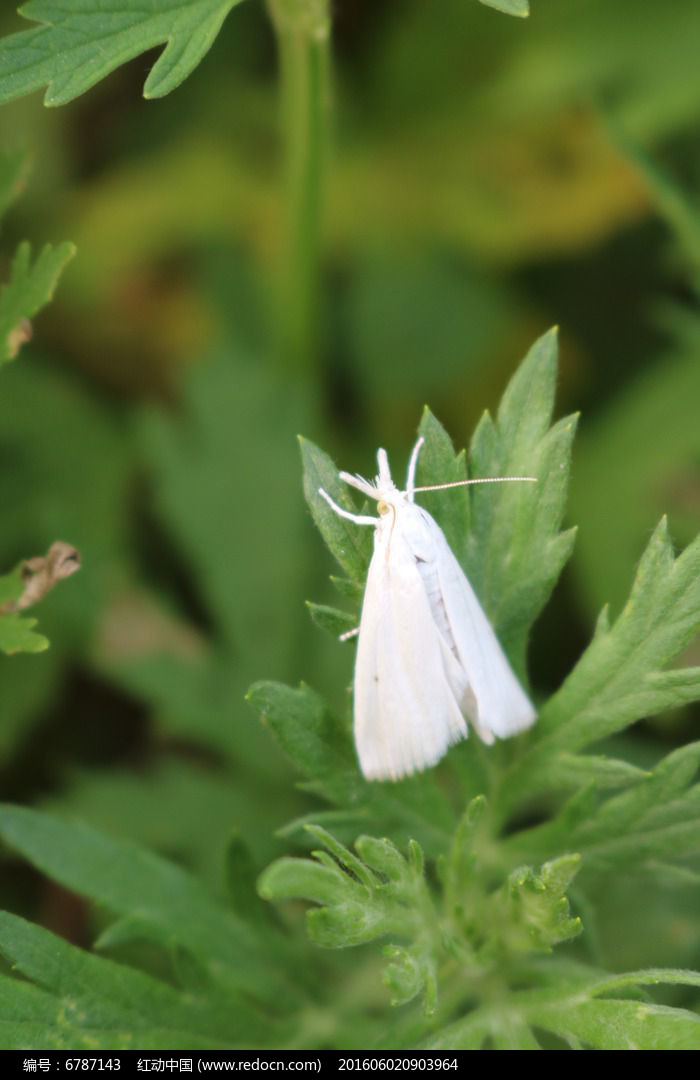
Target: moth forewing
x: 406, y: 713
x: 501, y: 705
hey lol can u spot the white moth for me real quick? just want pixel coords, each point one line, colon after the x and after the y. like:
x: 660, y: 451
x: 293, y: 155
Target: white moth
x: 427, y: 657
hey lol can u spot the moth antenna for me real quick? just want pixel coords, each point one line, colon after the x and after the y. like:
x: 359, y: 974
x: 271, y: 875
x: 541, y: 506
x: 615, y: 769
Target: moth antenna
x: 480, y: 480
x: 384, y: 477
x: 412, y: 465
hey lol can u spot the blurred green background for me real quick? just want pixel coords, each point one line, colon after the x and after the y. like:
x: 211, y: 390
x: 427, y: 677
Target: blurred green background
x: 485, y: 179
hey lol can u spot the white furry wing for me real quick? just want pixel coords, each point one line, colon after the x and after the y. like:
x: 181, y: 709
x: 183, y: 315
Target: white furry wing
x: 406, y: 711
x: 500, y: 705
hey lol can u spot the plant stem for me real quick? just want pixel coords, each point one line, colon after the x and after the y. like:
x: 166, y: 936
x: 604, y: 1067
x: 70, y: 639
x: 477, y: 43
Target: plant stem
x: 302, y: 28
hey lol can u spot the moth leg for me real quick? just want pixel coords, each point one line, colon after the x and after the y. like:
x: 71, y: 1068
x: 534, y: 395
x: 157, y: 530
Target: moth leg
x: 412, y: 465
x: 349, y: 634
x: 359, y: 519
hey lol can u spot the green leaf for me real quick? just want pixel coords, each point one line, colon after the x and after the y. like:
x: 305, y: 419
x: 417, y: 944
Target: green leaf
x: 309, y: 735
x: 179, y: 806
x: 620, y: 1025
x: 11, y: 587
x: 351, y: 589
x: 575, y: 1010
x: 620, y: 677
x: 216, y: 519
x: 578, y: 770
x: 531, y: 912
x: 16, y: 631
x: 515, y: 550
x: 332, y: 620
x: 383, y: 894
x: 76, y: 45
x: 648, y: 977
x: 320, y: 746
x: 659, y: 817
x: 438, y: 464
x: 507, y: 536
x: 521, y: 8
x: 17, y: 635
x: 458, y: 871
x: 351, y: 544
x: 380, y: 894
x: 76, y: 1000
x: 30, y: 287
x: 408, y: 972
x: 163, y: 901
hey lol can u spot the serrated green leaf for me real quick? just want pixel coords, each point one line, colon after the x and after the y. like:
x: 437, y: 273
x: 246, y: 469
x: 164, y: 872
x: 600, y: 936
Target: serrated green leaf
x: 620, y: 677
x: 351, y: 544
x: 331, y: 619
x: 438, y: 464
x: 77, y: 45
x: 377, y: 895
x: 321, y: 747
x: 531, y: 912
x: 17, y: 635
x: 526, y: 407
x: 345, y: 587
x: 567, y: 1008
x: 87, y: 1001
x: 515, y: 551
x: 671, y: 776
x: 520, y: 8
x: 16, y: 631
x: 658, y: 817
x: 308, y: 733
x: 578, y: 770
x: 30, y: 287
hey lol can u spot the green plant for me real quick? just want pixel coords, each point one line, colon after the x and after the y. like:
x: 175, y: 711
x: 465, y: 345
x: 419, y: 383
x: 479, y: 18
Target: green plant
x: 487, y: 903
x: 484, y: 943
